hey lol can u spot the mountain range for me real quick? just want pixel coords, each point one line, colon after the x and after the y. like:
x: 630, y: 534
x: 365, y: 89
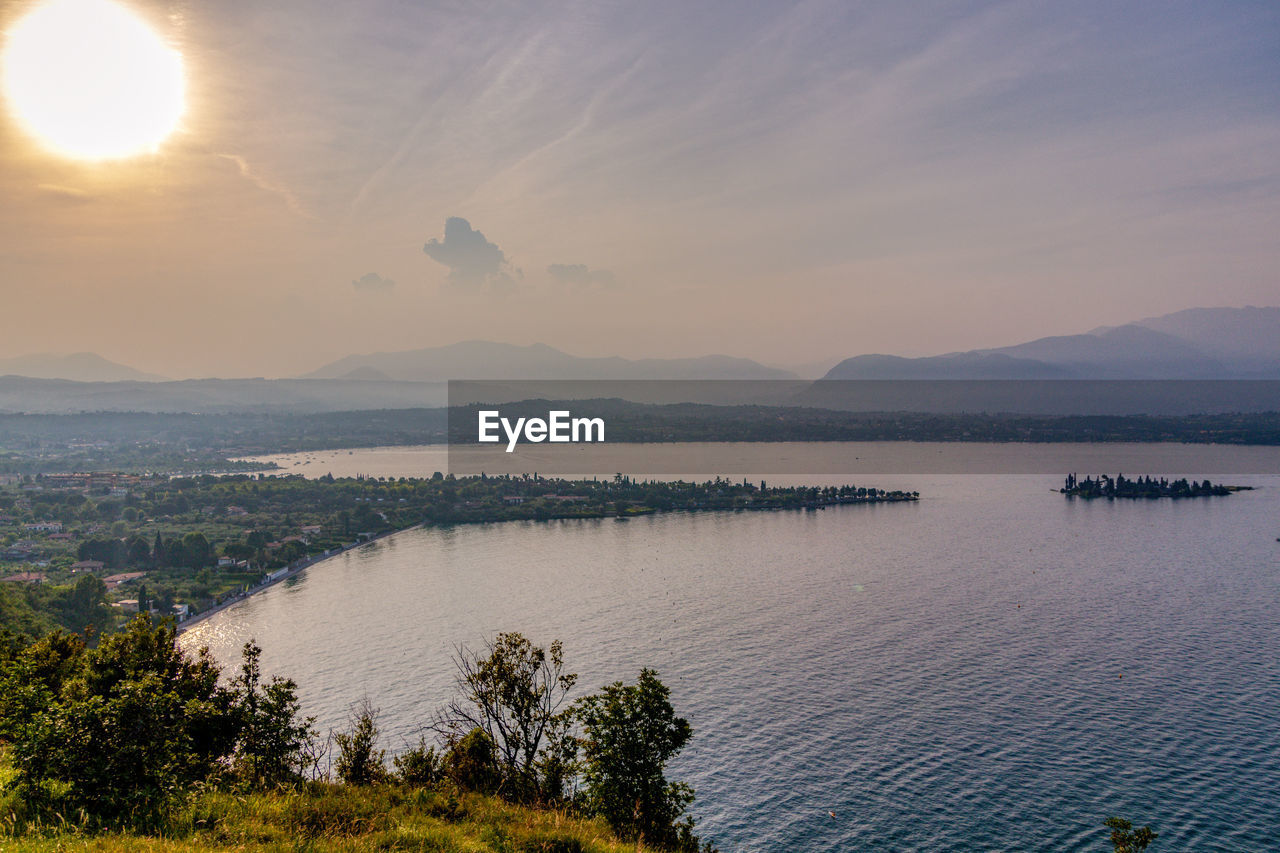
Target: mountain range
x: 77, y: 367
x: 1201, y: 343
x: 485, y: 360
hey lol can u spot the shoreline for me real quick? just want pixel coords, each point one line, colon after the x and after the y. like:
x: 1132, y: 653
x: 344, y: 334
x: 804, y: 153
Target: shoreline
x: 306, y: 563
x: 290, y: 571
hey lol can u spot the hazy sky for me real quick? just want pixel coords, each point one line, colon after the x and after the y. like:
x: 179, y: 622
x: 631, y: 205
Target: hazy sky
x: 785, y: 181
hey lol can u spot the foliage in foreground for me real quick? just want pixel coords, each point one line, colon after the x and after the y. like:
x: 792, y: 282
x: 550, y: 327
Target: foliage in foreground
x: 120, y: 734
x: 1126, y: 839
x: 322, y: 817
x: 631, y: 732
x: 128, y: 735
x: 137, y: 745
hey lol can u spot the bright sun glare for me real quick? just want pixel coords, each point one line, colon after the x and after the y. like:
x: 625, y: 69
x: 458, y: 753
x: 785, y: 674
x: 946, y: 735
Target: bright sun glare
x: 90, y: 80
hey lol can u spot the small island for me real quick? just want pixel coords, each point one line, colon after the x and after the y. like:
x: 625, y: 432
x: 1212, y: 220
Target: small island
x: 1120, y: 486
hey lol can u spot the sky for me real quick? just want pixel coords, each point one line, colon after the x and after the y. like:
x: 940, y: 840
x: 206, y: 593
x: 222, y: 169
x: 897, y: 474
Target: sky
x: 790, y: 182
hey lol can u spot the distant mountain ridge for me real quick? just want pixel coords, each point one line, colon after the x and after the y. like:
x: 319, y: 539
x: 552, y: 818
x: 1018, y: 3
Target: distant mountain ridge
x: 77, y: 367
x: 1199, y: 343
x: 214, y: 396
x: 486, y: 360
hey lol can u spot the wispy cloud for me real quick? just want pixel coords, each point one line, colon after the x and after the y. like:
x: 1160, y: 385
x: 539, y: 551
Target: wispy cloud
x: 268, y: 185
x: 65, y: 193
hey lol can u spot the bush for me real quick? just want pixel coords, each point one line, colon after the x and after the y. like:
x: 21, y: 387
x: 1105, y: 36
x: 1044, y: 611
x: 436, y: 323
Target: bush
x: 121, y: 733
x: 470, y: 763
x: 419, y: 767
x: 360, y: 762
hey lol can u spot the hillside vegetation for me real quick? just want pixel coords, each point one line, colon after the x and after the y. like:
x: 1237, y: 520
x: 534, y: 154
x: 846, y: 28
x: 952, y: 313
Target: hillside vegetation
x: 136, y: 744
x: 323, y: 817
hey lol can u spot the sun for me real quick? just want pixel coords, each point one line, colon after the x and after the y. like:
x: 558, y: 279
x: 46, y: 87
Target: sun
x: 90, y: 80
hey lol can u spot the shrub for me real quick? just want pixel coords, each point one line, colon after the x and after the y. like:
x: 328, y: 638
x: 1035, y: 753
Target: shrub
x: 419, y: 767
x: 470, y: 764
x: 360, y: 762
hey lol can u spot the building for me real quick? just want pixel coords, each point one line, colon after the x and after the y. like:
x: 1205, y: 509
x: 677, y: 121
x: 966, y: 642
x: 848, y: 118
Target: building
x: 43, y: 527
x: 21, y: 550
x: 87, y: 566
x: 25, y: 577
x: 125, y: 577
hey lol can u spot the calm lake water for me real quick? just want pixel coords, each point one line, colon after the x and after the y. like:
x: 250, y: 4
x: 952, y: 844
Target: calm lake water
x: 993, y: 668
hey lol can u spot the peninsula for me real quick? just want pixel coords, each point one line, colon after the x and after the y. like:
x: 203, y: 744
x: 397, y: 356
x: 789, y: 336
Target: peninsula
x: 93, y: 549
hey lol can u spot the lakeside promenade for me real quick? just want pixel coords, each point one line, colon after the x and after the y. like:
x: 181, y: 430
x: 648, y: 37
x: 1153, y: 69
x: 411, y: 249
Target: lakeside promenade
x: 279, y: 576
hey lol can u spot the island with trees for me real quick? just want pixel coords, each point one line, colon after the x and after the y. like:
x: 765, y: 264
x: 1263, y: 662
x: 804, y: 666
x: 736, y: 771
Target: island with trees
x: 1119, y: 486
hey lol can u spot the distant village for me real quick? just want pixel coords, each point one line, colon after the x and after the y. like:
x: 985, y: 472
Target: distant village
x: 91, y: 549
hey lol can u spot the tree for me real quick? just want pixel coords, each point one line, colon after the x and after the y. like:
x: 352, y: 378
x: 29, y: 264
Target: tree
x: 1125, y: 838
x: 513, y: 692
x: 238, y: 551
x: 630, y: 732
x: 122, y: 730
x: 192, y: 551
x: 86, y: 606
x: 360, y: 762
x: 137, y: 551
x: 274, y: 741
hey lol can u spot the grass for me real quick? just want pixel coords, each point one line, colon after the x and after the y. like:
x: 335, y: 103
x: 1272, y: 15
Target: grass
x: 321, y: 818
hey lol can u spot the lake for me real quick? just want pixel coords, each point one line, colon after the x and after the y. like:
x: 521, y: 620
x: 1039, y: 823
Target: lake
x: 995, y: 667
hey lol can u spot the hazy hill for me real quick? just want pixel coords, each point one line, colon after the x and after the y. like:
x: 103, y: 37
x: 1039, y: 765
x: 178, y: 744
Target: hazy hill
x: 1248, y: 338
x: 55, y: 396
x: 1201, y: 343
x: 961, y: 365
x: 488, y: 360
x: 77, y: 367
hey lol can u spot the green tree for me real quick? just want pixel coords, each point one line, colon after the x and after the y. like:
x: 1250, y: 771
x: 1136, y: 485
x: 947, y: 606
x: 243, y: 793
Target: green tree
x: 85, y: 606
x: 138, y: 553
x: 18, y: 615
x: 630, y: 732
x: 1125, y: 838
x: 127, y: 732
x: 514, y: 692
x: 360, y: 762
x: 275, y: 741
x: 192, y: 551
